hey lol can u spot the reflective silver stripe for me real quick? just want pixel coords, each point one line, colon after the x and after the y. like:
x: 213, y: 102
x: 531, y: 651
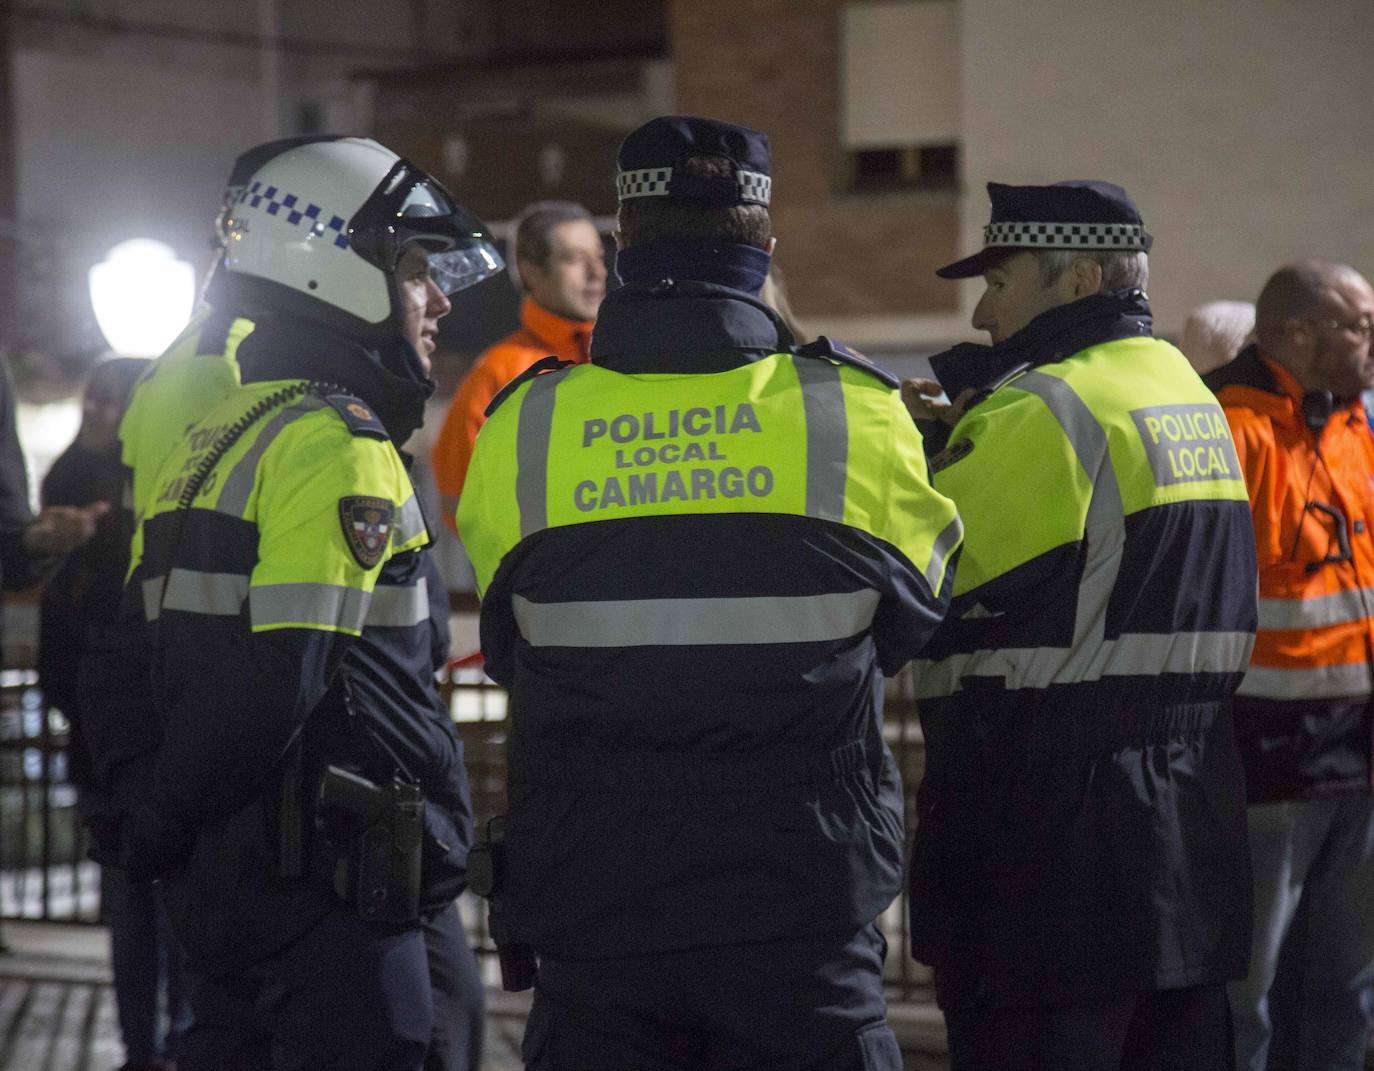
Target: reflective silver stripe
x: 1144, y: 654
x: 238, y: 485
x: 695, y: 622
x: 945, y: 542
x: 827, y: 437
x: 126, y: 500
x: 398, y: 607
x: 194, y: 592
x: 329, y: 606
x: 410, y: 522
x: 1325, y: 682
x: 1104, y: 527
x: 1334, y: 609
x: 532, y: 454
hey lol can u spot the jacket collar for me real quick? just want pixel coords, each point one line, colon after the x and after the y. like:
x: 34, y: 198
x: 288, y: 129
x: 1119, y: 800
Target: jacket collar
x: 286, y: 347
x: 1052, y: 336
x: 1269, y: 387
x: 685, y: 326
x: 568, y: 339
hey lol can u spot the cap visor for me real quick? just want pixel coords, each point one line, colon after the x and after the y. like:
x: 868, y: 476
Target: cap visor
x: 971, y: 266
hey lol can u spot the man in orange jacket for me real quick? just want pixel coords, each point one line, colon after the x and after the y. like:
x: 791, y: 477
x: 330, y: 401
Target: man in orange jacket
x: 1303, y: 711
x: 561, y: 267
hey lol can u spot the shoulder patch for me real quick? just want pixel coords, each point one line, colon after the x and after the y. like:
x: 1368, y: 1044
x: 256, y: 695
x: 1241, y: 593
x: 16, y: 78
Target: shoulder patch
x: 949, y: 455
x: 544, y: 364
x: 830, y: 350
x: 367, y: 524
x: 358, y: 415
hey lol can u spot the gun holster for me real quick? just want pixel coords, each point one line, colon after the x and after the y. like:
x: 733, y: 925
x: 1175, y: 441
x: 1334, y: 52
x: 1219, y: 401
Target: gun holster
x: 486, y: 872
x: 376, y: 831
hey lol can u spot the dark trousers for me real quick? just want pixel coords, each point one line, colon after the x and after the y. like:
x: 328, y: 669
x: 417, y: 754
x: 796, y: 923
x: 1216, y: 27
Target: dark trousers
x: 810, y: 1004
x: 458, y: 996
x: 1168, y: 1030
x: 147, y: 965
x: 344, y: 996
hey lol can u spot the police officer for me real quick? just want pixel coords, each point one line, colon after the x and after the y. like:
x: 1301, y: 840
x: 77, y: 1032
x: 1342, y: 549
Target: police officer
x: 289, y: 612
x: 196, y: 373
x: 699, y: 554
x: 1079, y: 879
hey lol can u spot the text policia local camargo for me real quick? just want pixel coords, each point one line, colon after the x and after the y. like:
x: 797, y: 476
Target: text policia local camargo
x: 676, y: 437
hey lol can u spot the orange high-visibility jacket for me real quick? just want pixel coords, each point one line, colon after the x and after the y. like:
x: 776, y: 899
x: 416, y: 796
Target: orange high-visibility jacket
x: 1302, y: 711
x: 541, y: 334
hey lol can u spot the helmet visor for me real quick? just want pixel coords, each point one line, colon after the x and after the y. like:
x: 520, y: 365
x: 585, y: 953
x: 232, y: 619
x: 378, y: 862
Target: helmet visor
x: 409, y: 208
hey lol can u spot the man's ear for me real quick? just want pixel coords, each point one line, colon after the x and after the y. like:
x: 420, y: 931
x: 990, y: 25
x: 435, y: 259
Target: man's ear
x: 1087, y: 277
x: 771, y: 245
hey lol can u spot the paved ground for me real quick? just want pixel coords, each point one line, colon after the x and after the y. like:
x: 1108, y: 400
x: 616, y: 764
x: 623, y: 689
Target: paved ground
x: 57, y: 1008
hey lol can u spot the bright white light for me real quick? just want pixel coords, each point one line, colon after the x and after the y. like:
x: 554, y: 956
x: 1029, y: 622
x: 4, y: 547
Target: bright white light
x: 142, y: 296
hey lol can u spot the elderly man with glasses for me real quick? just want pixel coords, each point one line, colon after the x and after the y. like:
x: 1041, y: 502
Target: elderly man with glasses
x: 1303, y: 712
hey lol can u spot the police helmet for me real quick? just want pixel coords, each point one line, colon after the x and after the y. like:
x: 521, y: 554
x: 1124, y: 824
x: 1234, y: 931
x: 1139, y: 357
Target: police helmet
x: 319, y: 229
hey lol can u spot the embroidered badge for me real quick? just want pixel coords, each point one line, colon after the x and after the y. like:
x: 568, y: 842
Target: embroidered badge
x: 366, y: 526
x: 360, y: 411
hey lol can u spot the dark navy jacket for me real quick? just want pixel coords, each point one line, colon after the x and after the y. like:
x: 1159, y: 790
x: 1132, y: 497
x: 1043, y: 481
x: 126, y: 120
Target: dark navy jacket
x: 671, y: 797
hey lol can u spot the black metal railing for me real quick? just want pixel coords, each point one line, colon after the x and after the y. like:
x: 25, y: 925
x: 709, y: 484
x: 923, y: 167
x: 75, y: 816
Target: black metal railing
x: 44, y: 873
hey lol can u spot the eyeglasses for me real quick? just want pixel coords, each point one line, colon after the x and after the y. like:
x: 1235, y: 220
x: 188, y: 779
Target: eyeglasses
x: 1364, y: 326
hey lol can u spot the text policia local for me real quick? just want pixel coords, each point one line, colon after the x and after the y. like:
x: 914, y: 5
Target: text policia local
x: 651, y: 439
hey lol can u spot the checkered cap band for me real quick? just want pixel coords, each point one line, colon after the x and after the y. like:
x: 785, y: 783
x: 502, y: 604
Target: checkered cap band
x: 1066, y: 235
x: 280, y: 203
x: 754, y: 186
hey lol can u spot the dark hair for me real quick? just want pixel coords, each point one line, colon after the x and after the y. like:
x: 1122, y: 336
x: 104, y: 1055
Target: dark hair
x: 647, y: 219
x: 534, y: 225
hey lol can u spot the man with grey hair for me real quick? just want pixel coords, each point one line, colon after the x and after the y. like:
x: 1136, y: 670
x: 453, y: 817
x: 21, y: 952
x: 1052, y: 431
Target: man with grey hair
x: 1079, y: 878
x: 560, y: 266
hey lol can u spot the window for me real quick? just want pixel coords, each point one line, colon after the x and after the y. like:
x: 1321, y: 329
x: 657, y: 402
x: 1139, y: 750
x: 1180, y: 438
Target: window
x: 900, y: 91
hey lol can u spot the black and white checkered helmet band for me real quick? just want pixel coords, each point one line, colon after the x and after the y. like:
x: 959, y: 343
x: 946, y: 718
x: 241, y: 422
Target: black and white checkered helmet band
x: 1066, y: 235
x: 754, y: 186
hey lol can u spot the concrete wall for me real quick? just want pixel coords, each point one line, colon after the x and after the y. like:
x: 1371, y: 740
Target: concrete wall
x: 1243, y: 129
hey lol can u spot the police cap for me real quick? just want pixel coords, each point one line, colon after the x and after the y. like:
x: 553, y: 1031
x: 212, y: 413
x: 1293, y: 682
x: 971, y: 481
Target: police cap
x: 649, y: 155
x: 1080, y: 214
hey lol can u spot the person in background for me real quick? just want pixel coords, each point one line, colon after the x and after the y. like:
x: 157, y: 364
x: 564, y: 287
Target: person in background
x: 81, y: 596
x: 1215, y: 332
x: 560, y: 266
x: 1303, y: 711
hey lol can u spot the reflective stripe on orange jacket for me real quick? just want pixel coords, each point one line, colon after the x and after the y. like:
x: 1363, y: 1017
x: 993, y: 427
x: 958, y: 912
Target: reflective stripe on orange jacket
x: 1302, y: 709
x: 541, y: 334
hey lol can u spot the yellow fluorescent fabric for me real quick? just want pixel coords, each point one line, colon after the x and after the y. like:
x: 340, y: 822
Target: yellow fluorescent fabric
x: 181, y: 387
x: 287, y: 476
x: 772, y: 436
x: 1167, y: 441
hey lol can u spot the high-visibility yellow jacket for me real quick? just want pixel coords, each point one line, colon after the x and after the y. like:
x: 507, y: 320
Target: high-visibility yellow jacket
x: 1081, y: 821
x: 697, y: 560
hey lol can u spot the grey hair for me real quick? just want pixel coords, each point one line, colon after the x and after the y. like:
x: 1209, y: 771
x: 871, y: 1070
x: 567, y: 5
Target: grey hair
x: 1121, y: 269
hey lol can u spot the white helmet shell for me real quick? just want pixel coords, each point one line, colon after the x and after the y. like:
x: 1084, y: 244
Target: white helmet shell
x: 290, y: 225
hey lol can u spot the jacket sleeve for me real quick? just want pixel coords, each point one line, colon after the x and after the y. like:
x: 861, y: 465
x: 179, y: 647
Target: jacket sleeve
x: 239, y: 693
x: 922, y: 535
x: 1253, y: 436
